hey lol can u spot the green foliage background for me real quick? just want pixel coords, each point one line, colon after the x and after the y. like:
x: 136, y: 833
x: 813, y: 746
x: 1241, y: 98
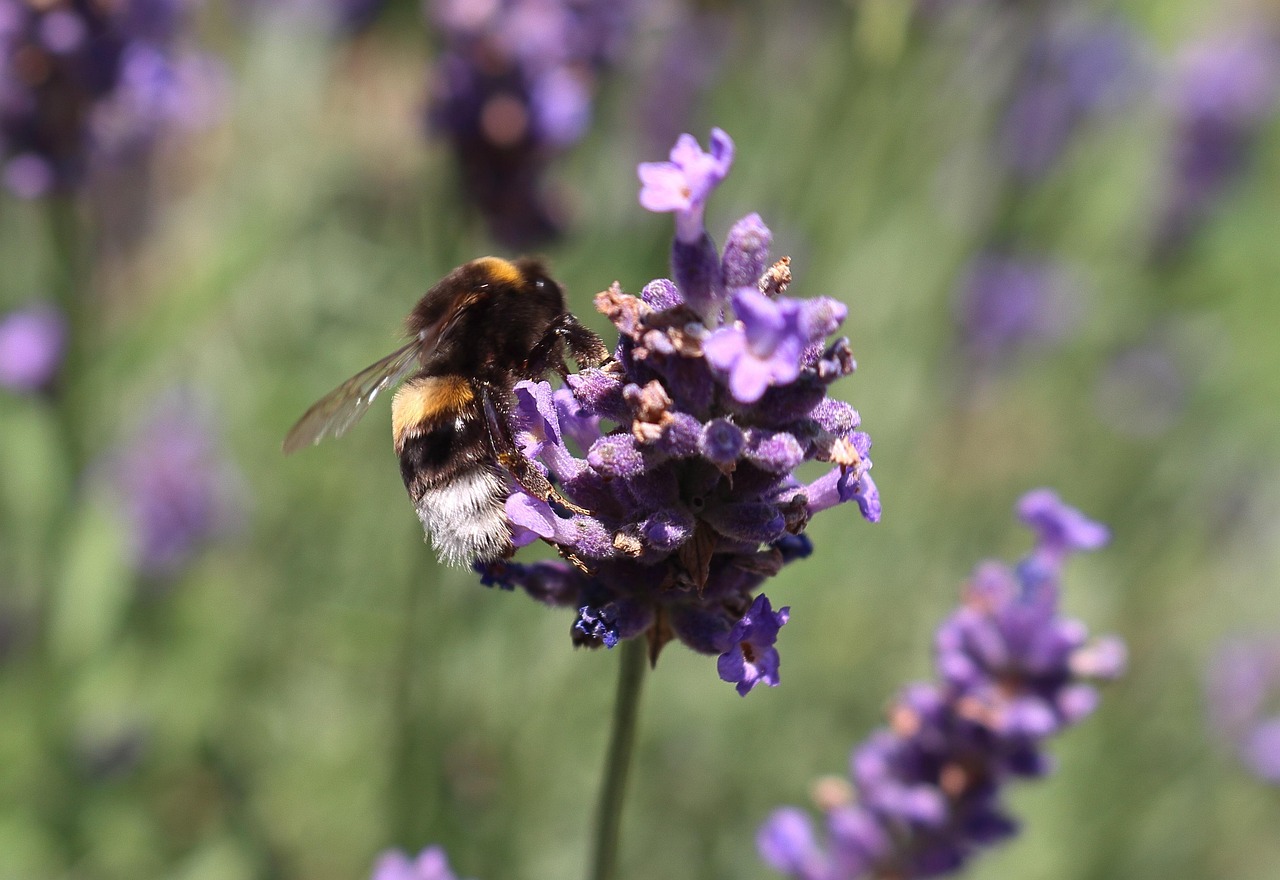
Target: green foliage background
x: 315, y: 687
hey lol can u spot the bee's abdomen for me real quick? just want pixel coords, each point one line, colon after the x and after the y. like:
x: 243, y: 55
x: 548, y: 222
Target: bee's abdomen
x: 456, y: 487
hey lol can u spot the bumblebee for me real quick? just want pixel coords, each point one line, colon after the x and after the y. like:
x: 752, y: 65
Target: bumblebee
x: 484, y: 327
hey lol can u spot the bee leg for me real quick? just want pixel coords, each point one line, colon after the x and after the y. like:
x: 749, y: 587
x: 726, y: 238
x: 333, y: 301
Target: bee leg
x: 512, y: 460
x: 585, y: 346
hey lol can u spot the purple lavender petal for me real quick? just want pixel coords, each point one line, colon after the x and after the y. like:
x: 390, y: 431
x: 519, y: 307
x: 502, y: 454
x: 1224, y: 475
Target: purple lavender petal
x: 1060, y: 528
x: 430, y: 864
x: 683, y: 184
x: 785, y: 842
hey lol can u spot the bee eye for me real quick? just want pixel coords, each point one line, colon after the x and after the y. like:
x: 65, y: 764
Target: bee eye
x: 541, y: 284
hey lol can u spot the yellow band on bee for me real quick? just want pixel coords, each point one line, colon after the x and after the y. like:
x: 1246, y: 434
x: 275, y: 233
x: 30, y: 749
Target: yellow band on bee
x: 502, y: 271
x: 422, y: 403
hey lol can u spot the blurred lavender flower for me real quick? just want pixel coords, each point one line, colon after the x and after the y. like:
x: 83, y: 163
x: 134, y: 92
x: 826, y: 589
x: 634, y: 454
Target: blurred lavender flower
x: 1073, y: 72
x: 693, y: 495
x: 82, y: 81
x: 1243, y: 687
x: 430, y: 864
x: 175, y: 486
x: 1226, y: 88
x: 1009, y: 302
x: 513, y: 88
x: 692, y: 44
x: 1011, y: 673
x: 32, y: 343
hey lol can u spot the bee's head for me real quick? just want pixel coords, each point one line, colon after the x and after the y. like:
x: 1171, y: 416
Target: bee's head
x: 486, y: 314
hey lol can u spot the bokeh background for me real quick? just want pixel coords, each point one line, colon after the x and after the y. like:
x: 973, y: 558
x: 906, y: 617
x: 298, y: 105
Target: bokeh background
x: 1055, y: 226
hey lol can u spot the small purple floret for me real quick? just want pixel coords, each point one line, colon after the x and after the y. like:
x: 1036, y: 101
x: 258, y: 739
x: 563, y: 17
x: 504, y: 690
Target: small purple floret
x: 1061, y: 529
x: 31, y: 347
x: 763, y: 349
x: 751, y: 657
x: 430, y: 864
x: 596, y: 625
x: 683, y: 184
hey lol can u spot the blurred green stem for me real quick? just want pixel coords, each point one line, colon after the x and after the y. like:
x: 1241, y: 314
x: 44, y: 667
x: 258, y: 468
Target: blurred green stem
x: 604, y: 857
x: 67, y: 279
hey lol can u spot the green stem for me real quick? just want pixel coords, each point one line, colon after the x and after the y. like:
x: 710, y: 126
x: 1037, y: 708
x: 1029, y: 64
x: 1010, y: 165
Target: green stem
x: 67, y: 278
x: 604, y: 858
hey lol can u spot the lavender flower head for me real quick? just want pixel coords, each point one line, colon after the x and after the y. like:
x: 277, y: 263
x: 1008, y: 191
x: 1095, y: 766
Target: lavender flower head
x: 176, y: 489
x: 1225, y: 90
x: 688, y: 443
x: 32, y: 343
x: 83, y: 81
x: 1073, y: 73
x: 430, y: 864
x: 512, y: 89
x: 1243, y: 695
x: 1011, y: 672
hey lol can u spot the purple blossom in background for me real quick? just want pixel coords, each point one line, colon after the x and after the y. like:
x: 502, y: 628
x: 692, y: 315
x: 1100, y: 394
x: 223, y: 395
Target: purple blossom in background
x: 1011, y: 672
x: 1226, y: 88
x: 176, y: 488
x: 1072, y: 72
x: 690, y: 439
x: 32, y: 343
x: 512, y: 89
x: 1243, y: 690
x: 83, y: 82
x: 430, y: 864
x: 1009, y: 302
x: 692, y: 47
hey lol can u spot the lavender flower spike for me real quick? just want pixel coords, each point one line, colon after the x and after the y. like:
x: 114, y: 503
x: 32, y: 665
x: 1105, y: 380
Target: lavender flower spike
x: 1243, y: 682
x: 687, y: 446
x: 1011, y: 672
x: 430, y: 864
x: 175, y: 488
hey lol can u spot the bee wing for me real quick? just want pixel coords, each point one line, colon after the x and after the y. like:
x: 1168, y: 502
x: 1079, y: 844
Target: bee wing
x: 342, y: 407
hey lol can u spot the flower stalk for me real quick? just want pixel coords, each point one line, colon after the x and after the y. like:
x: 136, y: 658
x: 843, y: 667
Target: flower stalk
x: 613, y: 786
